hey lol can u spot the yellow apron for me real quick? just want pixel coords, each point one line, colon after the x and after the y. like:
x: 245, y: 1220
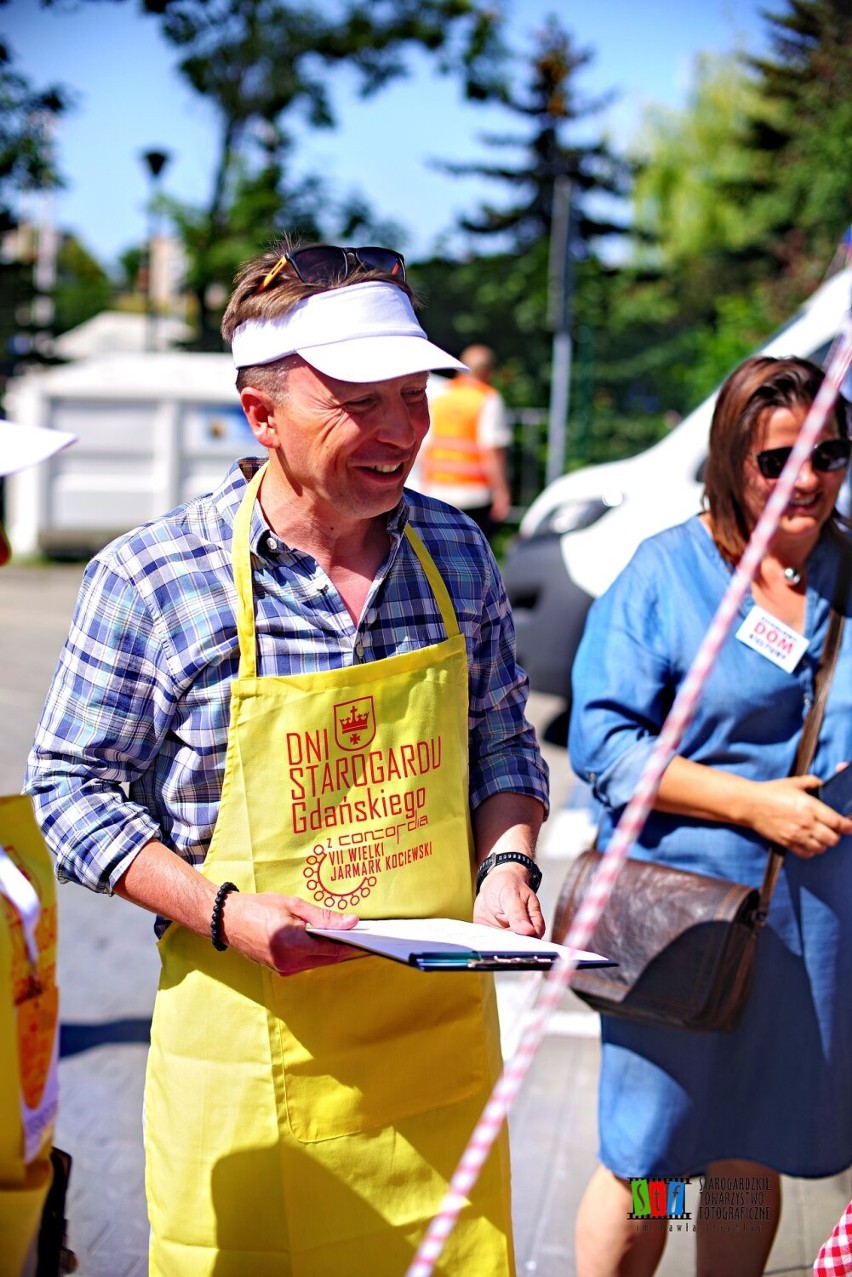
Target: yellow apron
x: 308, y: 1125
x: 29, y: 1037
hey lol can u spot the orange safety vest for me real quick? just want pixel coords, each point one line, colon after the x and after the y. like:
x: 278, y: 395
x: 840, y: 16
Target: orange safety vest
x: 451, y: 451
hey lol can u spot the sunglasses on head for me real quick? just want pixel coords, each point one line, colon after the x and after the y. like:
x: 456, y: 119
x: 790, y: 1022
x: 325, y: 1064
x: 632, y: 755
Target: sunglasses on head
x: 328, y: 264
x: 831, y: 454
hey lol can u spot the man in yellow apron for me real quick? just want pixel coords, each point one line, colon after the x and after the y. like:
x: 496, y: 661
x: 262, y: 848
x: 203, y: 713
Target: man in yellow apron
x: 307, y: 680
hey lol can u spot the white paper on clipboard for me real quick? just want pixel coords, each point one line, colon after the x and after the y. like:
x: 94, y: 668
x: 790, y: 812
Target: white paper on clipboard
x: 447, y: 944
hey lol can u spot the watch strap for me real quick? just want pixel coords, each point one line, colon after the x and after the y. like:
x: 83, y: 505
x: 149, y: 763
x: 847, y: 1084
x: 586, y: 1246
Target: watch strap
x: 510, y: 857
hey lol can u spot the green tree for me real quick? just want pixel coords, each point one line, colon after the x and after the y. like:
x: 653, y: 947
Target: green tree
x: 263, y: 200
x: 258, y: 62
x: 27, y: 164
x: 693, y: 299
x: 799, y: 138
x: 746, y: 193
x: 131, y: 265
x: 551, y: 104
x: 27, y: 115
x: 82, y: 289
x: 498, y: 299
x: 690, y: 164
x: 502, y: 299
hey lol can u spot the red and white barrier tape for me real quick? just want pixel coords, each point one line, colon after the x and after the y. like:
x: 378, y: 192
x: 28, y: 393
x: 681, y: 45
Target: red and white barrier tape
x: 632, y: 821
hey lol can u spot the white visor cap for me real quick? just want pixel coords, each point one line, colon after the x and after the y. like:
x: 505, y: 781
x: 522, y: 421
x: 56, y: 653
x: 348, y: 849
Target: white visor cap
x: 22, y: 446
x: 366, y: 332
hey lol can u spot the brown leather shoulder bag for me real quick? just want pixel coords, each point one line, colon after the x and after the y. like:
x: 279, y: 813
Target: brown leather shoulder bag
x: 684, y: 943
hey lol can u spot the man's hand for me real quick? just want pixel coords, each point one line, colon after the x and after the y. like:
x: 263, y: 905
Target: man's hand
x: 267, y: 928
x: 505, y: 900
x: 272, y: 929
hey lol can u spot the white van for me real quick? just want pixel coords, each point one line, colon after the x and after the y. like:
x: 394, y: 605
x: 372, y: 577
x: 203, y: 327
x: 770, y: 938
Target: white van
x: 583, y: 529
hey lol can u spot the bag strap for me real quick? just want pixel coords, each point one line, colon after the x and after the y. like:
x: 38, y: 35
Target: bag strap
x: 813, y: 722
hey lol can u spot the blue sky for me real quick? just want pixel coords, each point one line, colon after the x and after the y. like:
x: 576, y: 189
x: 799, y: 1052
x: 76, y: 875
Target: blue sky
x: 130, y: 99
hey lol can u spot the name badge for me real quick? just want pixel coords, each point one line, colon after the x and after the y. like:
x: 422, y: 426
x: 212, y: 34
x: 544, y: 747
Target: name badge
x: 764, y: 633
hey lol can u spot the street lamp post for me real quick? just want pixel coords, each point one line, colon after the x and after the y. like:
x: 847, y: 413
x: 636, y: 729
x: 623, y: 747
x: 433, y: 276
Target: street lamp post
x: 559, y: 314
x: 155, y: 162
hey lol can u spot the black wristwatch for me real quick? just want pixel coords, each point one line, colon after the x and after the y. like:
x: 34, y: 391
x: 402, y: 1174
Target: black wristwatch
x: 500, y: 858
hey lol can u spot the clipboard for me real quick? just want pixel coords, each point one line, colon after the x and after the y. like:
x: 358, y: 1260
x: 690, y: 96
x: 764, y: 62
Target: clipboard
x: 446, y: 944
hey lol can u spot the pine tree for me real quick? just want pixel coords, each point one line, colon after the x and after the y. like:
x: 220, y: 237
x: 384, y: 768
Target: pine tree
x: 800, y: 136
x: 551, y: 103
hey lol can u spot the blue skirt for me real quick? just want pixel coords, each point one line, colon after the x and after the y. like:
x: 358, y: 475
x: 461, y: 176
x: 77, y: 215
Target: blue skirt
x: 778, y: 1090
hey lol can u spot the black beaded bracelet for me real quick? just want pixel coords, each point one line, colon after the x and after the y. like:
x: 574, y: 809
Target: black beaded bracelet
x: 216, y: 920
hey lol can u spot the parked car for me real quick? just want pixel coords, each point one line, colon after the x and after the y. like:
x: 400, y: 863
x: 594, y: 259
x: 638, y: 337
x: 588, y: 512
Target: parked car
x: 584, y: 527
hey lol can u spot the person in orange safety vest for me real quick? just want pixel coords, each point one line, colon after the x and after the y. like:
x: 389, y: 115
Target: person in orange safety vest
x: 464, y: 455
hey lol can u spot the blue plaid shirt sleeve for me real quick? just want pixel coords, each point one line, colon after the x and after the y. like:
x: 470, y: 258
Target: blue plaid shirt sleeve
x: 504, y: 753
x: 108, y: 710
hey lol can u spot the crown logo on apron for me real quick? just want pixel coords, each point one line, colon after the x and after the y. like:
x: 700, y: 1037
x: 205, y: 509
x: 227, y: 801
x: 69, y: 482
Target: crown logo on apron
x: 355, y: 723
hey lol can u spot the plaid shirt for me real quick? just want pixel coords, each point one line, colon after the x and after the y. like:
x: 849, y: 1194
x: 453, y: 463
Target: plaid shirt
x: 131, y: 744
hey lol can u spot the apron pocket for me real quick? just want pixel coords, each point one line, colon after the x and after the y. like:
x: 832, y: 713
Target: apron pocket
x: 369, y: 1041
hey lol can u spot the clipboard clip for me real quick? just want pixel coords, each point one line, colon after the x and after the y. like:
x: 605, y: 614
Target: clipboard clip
x: 471, y: 961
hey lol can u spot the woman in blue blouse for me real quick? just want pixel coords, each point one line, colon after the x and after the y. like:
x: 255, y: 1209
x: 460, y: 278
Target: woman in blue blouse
x: 774, y: 1097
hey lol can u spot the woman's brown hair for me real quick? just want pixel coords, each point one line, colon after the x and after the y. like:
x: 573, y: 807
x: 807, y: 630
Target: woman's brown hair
x: 758, y: 385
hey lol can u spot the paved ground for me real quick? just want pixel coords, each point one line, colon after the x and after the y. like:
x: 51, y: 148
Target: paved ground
x: 107, y: 974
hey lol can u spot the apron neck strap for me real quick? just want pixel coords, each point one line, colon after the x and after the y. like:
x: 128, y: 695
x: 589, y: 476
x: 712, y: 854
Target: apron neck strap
x: 241, y: 558
x: 433, y: 576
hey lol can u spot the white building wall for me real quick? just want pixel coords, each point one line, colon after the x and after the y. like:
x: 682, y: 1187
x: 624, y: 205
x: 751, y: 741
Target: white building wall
x: 153, y: 430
